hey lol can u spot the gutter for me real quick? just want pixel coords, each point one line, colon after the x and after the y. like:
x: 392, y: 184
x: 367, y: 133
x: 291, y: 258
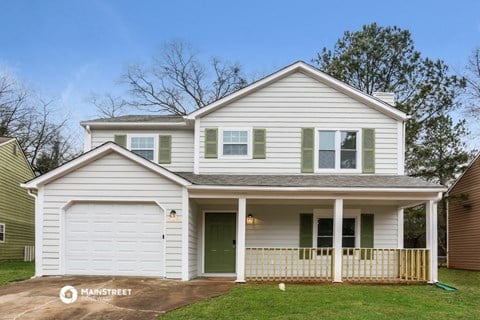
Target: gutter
x: 97, y: 125
x: 324, y: 189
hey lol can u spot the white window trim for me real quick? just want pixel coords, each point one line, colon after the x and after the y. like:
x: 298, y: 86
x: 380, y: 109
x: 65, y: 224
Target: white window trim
x: 145, y: 135
x: 4, y: 232
x: 338, y: 150
x: 328, y: 213
x: 249, y: 143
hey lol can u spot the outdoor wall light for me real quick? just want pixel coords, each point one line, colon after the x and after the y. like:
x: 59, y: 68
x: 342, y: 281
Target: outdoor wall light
x: 173, y: 214
x: 250, y: 219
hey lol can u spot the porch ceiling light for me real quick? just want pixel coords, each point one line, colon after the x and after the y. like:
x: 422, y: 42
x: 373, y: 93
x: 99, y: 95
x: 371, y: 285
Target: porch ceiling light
x: 250, y: 219
x: 173, y: 214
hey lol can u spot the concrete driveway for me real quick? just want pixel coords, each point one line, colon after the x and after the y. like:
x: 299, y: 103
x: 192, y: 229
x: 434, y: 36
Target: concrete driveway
x: 39, y: 298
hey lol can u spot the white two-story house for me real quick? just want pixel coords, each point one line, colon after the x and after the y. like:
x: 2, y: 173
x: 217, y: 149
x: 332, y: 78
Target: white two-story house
x: 296, y: 177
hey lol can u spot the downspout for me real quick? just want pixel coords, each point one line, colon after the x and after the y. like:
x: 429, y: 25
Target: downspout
x: 35, y: 196
x: 446, y: 228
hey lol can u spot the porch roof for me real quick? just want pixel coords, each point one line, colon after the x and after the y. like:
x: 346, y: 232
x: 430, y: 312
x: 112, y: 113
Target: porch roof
x: 314, y: 181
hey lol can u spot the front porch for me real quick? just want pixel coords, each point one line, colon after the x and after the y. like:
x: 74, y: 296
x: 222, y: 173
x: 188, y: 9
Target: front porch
x: 314, y: 237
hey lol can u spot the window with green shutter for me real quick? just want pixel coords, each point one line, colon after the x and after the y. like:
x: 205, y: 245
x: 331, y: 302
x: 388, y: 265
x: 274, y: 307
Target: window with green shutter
x: 259, y: 143
x: 306, y: 234
x: 366, y: 235
x: 164, y: 149
x: 368, y: 151
x: 211, y: 143
x: 120, y: 139
x: 308, y: 137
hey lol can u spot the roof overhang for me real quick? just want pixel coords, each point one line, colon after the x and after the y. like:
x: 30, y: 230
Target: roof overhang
x: 309, y: 70
x: 97, y: 153
x: 400, y: 197
x: 464, y: 172
x: 187, y: 124
x: 6, y: 141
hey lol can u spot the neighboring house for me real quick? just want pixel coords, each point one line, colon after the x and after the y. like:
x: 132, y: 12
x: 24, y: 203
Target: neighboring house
x: 295, y: 177
x: 17, y: 208
x: 463, y: 218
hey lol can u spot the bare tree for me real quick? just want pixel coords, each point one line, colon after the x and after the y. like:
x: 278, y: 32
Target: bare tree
x: 108, y: 106
x: 177, y: 82
x: 33, y: 122
x: 473, y: 83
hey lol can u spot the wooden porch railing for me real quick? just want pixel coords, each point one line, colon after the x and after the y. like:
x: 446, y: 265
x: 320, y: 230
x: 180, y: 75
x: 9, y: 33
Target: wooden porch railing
x: 288, y: 264
x: 385, y: 265
x: 317, y: 264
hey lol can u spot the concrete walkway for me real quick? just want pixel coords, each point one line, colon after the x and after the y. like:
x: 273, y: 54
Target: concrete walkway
x: 150, y: 297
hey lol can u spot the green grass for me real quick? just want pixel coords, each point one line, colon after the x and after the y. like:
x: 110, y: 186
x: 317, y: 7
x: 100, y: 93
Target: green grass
x: 329, y: 301
x: 15, y: 271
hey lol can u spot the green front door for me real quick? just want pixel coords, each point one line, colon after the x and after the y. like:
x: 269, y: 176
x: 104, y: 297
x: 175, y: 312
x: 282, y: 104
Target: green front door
x: 220, y: 230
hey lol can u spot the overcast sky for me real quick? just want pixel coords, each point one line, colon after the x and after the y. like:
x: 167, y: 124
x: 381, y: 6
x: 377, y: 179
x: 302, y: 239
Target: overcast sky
x: 67, y: 49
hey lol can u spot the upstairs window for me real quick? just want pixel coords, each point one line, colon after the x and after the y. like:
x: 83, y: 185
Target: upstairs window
x: 143, y: 146
x: 235, y: 143
x: 338, y: 150
x: 348, y: 150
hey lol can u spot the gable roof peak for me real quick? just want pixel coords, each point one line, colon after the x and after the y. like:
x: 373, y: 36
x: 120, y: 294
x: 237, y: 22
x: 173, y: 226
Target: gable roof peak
x: 313, y: 72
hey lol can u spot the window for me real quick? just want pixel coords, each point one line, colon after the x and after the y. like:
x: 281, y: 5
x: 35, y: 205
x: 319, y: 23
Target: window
x: 143, y: 146
x: 235, y: 142
x: 326, y: 153
x: 2, y: 232
x: 348, y: 152
x: 325, y: 233
x: 338, y: 150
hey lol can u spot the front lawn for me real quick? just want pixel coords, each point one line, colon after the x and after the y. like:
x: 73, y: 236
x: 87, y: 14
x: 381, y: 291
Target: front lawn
x: 329, y: 301
x: 15, y: 271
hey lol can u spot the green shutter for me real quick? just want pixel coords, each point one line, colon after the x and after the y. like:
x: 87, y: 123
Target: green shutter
x: 259, y: 143
x: 121, y: 140
x: 164, y: 149
x: 368, y: 150
x: 307, y: 149
x: 211, y: 143
x: 366, y: 234
x: 306, y: 233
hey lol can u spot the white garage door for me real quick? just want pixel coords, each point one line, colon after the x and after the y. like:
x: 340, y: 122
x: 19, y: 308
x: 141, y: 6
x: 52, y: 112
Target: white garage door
x: 114, y: 239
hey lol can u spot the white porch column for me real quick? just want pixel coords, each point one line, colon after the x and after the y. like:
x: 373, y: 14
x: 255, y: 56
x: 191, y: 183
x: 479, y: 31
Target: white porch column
x: 241, y: 218
x: 185, y: 235
x: 337, y: 239
x: 400, y: 228
x: 432, y: 238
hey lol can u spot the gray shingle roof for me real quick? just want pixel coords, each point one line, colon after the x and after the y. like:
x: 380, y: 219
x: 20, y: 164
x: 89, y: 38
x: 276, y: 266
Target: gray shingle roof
x: 141, y: 118
x: 5, y: 139
x: 321, y: 181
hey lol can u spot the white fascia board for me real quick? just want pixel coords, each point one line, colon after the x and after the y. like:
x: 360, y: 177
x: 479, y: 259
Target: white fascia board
x: 136, y: 125
x: 6, y: 142
x: 315, y: 189
x: 316, y: 74
x: 98, y: 153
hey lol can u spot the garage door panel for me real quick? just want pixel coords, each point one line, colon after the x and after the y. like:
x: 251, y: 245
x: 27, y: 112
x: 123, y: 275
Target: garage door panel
x: 114, y: 239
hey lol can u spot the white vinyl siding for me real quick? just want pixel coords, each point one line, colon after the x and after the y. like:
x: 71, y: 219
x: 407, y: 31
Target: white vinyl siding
x: 182, y: 145
x: 113, y: 177
x: 286, y: 106
x: 278, y: 226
